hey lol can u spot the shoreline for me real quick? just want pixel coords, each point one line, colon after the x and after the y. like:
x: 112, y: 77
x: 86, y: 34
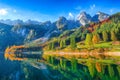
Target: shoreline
x: 79, y: 55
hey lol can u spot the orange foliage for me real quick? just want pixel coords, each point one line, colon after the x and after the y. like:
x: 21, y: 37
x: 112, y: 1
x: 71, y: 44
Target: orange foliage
x: 98, y: 67
x: 95, y: 39
x: 92, y: 27
x: 10, y: 52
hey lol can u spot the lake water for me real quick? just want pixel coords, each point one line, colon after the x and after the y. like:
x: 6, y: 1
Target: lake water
x: 57, y: 69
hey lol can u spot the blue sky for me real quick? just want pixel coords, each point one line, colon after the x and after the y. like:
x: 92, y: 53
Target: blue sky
x: 44, y: 10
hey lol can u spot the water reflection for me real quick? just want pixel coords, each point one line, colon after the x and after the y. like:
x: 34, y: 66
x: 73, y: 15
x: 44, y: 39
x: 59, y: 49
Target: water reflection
x: 9, y: 70
x: 54, y: 68
x: 72, y: 70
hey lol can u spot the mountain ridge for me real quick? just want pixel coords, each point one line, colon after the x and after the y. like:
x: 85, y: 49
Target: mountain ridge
x: 31, y: 32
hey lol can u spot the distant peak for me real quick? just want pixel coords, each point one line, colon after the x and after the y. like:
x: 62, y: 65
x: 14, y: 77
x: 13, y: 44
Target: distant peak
x: 83, y: 12
x: 99, y: 13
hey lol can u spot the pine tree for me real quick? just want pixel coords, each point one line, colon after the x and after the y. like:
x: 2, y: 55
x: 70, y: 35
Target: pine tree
x: 50, y: 46
x: 113, y: 36
x: 111, y: 71
x: 105, y: 36
x: 61, y: 44
x: 72, y: 42
x: 88, y: 40
x: 64, y: 43
x: 53, y: 46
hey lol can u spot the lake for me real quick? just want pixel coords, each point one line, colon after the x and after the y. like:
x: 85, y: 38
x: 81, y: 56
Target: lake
x: 53, y: 68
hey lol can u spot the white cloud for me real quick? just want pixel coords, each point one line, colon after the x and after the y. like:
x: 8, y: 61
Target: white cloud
x: 70, y: 16
x: 92, y: 6
x: 3, y: 11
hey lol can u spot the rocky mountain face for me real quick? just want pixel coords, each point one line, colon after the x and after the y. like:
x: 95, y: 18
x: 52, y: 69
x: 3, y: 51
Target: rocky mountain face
x: 85, y: 18
x: 63, y: 24
x: 20, y: 32
x: 7, y: 37
x: 100, y: 16
x: 18, y: 21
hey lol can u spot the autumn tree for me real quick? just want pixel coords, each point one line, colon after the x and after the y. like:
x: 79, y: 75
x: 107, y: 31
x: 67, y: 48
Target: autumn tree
x: 95, y: 38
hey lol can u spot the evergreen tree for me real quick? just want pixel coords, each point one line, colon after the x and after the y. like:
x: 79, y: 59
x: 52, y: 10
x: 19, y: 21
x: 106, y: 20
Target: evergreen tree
x: 72, y: 42
x: 52, y: 45
x: 113, y: 36
x: 105, y: 36
x: 88, y: 40
x: 83, y: 36
x: 64, y: 43
x: 74, y: 64
x: 91, y: 68
x: 111, y: 71
x: 61, y: 44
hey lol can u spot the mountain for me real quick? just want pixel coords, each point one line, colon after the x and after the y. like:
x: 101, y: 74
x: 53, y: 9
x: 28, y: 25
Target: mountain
x: 32, y: 22
x: 11, y: 22
x: 84, y: 18
x: 18, y: 21
x: 99, y: 33
x: 100, y: 16
x: 15, y: 32
x: 63, y: 24
x: 7, y: 37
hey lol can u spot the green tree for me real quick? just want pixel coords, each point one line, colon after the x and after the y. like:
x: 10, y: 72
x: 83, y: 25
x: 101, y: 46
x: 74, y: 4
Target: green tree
x: 105, y: 36
x: 111, y: 71
x: 72, y: 42
x: 118, y: 69
x: 88, y: 40
x: 91, y: 68
x: 49, y: 46
x: 74, y: 64
x: 53, y: 46
x: 113, y: 36
x: 62, y: 44
x: 83, y: 36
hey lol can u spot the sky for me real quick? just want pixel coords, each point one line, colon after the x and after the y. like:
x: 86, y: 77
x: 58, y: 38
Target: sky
x: 44, y: 10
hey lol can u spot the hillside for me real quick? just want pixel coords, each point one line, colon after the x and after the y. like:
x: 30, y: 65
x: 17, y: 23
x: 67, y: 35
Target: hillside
x: 95, y: 33
x: 103, y: 34
x: 61, y: 34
